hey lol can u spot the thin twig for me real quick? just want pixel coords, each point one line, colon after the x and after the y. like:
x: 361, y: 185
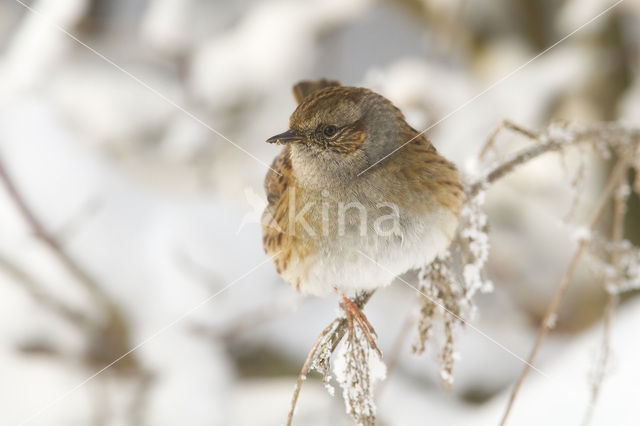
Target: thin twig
x: 510, y: 165
x: 46, y: 300
x: 617, y: 233
x: 306, y: 367
x: 78, y: 272
x: 618, y: 173
x: 115, y: 318
x: 601, y: 132
x: 505, y: 124
x: 603, y: 358
x: 79, y: 220
x: 109, y: 337
x: 338, y: 329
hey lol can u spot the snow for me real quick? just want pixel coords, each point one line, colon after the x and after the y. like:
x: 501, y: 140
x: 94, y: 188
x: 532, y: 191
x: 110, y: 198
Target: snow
x: 165, y: 214
x: 581, y: 234
x: 473, y: 232
x: 123, y: 111
x: 273, y: 43
x: 38, y: 46
x: 142, y: 274
x: 357, y: 368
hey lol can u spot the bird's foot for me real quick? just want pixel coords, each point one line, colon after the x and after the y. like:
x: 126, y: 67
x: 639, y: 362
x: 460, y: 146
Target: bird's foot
x: 355, y: 314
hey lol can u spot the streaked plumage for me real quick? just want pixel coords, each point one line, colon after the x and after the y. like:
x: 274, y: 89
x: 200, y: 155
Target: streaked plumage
x: 335, y: 133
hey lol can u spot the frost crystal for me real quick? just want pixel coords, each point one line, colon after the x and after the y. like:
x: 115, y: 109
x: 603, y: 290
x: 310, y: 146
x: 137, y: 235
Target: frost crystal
x: 623, y: 273
x: 330, y: 389
x: 626, y: 276
x: 357, y: 368
x: 445, y: 298
x: 581, y: 234
x: 322, y: 362
x: 552, y: 321
x: 449, y: 283
x: 474, y: 245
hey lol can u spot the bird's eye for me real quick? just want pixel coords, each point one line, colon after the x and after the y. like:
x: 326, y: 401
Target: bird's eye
x: 329, y: 130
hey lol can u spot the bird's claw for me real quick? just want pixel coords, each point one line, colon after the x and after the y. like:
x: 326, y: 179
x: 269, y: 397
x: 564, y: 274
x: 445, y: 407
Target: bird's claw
x: 354, y: 313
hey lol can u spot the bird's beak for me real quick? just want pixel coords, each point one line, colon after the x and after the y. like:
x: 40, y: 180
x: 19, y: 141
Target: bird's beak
x: 284, y: 138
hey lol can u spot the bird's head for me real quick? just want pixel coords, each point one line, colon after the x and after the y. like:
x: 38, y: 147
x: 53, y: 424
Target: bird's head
x: 340, y: 131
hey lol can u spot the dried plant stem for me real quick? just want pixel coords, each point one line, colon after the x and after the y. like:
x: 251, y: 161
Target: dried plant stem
x: 618, y: 173
x: 107, y: 333
x: 603, y: 131
x: 505, y: 124
x: 334, y: 332
x: 78, y: 272
x: 306, y: 367
x: 603, y: 358
x: 510, y: 165
x: 114, y: 317
x: 617, y: 233
x: 47, y: 301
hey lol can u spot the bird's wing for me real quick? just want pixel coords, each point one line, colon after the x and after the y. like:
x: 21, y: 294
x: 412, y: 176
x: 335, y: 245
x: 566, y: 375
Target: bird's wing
x: 278, y: 240
x: 278, y: 177
x: 276, y: 183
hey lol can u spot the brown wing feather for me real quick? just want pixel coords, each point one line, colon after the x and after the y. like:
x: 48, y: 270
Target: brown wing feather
x: 278, y: 176
x: 277, y: 241
x: 428, y: 173
x: 290, y: 254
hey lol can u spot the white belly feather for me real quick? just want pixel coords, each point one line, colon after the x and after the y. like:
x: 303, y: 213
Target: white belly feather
x: 355, y: 262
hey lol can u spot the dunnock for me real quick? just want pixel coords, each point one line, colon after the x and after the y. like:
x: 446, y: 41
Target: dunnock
x: 329, y: 212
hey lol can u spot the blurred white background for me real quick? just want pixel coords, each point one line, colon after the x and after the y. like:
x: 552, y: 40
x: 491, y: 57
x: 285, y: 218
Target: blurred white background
x: 112, y: 116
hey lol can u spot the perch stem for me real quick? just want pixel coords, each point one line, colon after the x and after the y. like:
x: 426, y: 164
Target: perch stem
x: 334, y: 332
x: 307, y: 365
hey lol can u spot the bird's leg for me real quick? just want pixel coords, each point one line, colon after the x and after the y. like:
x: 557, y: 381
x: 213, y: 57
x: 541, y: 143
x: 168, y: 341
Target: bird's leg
x: 354, y: 313
x: 349, y: 320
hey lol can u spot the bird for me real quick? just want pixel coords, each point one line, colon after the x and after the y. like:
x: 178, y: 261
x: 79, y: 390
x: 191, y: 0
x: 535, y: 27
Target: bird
x: 355, y: 197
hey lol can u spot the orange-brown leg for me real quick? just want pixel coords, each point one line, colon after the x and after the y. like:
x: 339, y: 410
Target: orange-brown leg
x: 349, y: 321
x: 354, y: 313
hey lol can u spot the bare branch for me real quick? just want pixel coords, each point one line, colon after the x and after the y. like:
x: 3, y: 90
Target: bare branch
x: 108, y: 333
x: 46, y: 300
x: 77, y: 271
x: 555, y: 142
x: 505, y: 124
